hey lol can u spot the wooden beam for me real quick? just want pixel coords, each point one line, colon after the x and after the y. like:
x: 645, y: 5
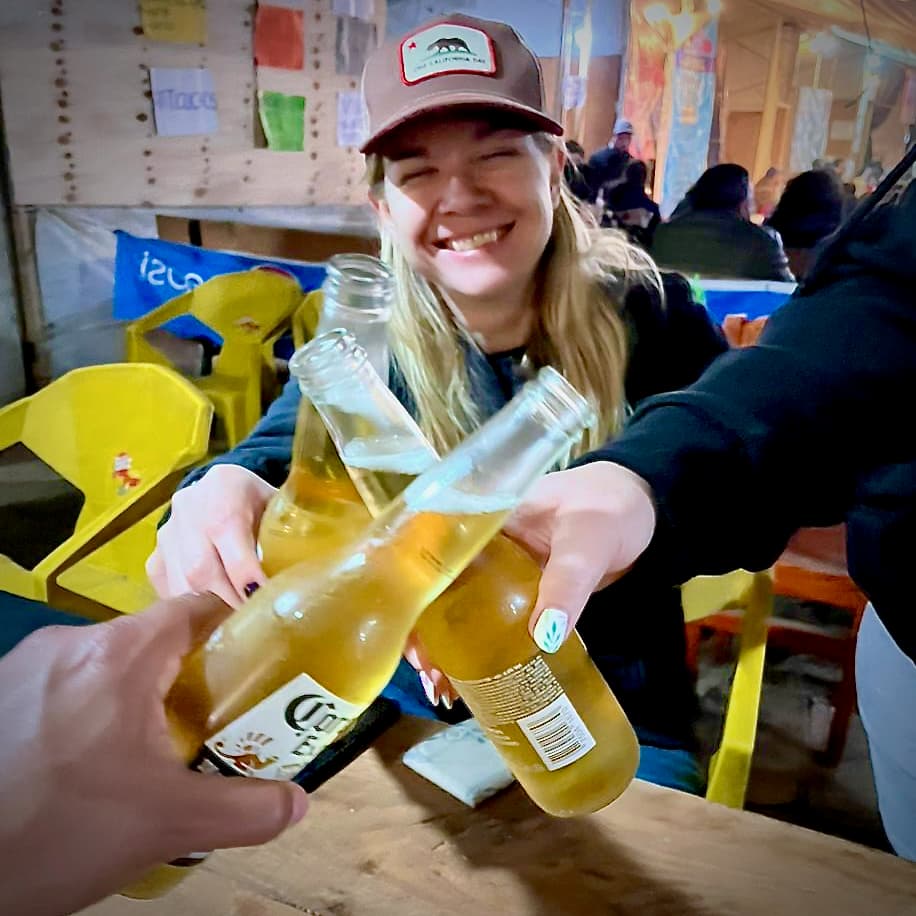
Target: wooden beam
x: 764, y: 155
x: 38, y: 372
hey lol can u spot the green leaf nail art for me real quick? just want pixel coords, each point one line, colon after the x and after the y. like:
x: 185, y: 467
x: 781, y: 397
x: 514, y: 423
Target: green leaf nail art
x: 550, y: 630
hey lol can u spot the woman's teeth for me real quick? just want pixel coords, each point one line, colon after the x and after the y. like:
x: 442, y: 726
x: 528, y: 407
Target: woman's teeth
x: 474, y: 241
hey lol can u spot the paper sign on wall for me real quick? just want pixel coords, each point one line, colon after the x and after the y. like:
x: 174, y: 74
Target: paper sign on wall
x: 279, y: 37
x: 351, y: 123
x: 355, y: 40
x: 812, y: 125
x: 358, y: 9
x: 179, y: 21
x: 573, y: 92
x: 184, y: 102
x: 283, y: 120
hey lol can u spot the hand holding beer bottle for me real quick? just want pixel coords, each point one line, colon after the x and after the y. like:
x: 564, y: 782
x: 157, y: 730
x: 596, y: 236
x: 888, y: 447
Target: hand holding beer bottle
x: 285, y: 674
x: 91, y: 789
x: 550, y: 713
x: 230, y: 529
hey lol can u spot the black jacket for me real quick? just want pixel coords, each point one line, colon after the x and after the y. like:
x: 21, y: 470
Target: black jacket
x: 608, y: 164
x: 811, y: 427
x: 714, y: 244
x: 628, y: 207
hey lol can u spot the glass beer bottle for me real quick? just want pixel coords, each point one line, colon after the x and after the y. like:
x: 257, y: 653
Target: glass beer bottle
x: 283, y: 675
x: 317, y: 508
x: 552, y: 716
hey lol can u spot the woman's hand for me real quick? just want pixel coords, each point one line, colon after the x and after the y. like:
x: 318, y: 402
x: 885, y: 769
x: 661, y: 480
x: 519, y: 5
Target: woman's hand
x: 586, y: 526
x: 209, y: 542
x: 436, y: 685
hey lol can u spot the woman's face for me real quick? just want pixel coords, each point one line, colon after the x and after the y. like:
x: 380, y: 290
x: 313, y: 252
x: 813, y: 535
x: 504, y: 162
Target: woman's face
x: 470, y: 205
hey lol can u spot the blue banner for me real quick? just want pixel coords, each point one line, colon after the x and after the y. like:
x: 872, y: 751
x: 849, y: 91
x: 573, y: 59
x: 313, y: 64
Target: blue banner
x: 751, y: 298
x: 149, y: 272
x: 693, y: 88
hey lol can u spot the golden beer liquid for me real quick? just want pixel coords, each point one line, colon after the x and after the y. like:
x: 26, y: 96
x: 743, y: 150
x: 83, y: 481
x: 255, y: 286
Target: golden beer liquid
x: 346, y: 627
x: 317, y: 509
x: 479, y: 627
x: 309, y: 518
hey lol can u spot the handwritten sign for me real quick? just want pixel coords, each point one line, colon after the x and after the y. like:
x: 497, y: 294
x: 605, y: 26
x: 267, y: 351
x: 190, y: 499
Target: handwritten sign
x: 177, y: 21
x: 573, y: 91
x: 184, y: 102
x: 351, y: 122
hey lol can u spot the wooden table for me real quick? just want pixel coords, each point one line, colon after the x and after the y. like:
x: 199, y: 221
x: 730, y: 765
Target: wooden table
x: 381, y: 840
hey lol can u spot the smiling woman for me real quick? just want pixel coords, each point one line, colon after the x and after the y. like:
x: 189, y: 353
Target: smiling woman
x: 471, y: 208
x: 476, y: 222
x: 498, y: 273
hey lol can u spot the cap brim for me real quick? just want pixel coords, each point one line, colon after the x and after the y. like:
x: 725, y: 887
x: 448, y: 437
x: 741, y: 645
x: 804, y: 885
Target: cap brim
x: 470, y: 100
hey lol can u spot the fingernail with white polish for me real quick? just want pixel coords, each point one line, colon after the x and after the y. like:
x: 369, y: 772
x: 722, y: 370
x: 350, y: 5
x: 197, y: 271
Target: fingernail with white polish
x: 446, y: 701
x: 428, y: 687
x: 550, y: 630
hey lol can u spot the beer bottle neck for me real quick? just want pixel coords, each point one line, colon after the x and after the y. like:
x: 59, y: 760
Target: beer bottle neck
x: 358, y: 295
x: 379, y: 442
x: 315, y: 464
x: 494, y: 467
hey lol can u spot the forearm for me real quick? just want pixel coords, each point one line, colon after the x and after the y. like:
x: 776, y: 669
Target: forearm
x: 771, y: 437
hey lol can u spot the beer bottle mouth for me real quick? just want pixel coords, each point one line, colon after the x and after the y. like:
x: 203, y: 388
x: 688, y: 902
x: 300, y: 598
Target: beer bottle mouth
x: 359, y: 281
x: 319, y: 363
x: 557, y: 399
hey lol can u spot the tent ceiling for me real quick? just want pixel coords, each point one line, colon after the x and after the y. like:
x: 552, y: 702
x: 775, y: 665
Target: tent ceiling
x: 891, y: 21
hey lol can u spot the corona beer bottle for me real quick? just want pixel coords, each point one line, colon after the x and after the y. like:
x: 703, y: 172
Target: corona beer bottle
x: 283, y: 675
x: 552, y: 716
x: 317, y: 507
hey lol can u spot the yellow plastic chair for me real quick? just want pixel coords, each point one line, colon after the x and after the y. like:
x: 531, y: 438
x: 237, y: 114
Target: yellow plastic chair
x: 248, y: 310
x: 123, y: 435
x: 306, y: 318
x: 701, y: 597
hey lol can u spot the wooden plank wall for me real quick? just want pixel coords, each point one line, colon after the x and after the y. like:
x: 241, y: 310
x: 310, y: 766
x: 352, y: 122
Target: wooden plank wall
x: 74, y: 78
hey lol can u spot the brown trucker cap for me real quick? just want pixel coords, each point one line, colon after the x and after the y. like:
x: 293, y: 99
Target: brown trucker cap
x: 453, y: 61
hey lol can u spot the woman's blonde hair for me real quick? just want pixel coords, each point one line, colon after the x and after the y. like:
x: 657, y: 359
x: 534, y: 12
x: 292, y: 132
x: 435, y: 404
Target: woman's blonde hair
x: 579, y: 329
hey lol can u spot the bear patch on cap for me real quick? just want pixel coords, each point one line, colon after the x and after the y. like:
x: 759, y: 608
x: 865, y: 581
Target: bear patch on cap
x: 446, y: 48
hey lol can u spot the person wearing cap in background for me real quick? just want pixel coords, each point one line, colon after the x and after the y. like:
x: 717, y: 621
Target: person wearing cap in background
x: 607, y: 166
x: 498, y: 274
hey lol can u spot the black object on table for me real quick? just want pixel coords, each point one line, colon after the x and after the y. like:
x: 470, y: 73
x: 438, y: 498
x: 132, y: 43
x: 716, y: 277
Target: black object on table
x: 378, y: 718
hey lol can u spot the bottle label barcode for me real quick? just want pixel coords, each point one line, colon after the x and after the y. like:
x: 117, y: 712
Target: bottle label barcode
x: 557, y: 733
x: 529, y: 696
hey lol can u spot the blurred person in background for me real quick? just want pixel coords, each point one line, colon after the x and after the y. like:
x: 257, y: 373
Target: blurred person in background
x: 576, y: 170
x: 627, y: 206
x: 811, y: 208
x: 712, y: 235
x: 607, y: 165
x: 767, y: 192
